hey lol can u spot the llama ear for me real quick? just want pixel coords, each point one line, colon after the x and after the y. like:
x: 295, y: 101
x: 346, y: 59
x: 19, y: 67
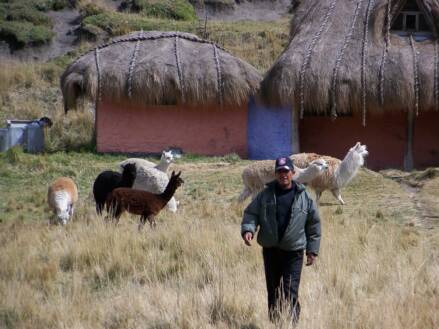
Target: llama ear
x: 173, y: 173
x: 179, y: 173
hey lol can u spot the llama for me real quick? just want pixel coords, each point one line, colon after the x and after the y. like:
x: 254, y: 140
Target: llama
x: 259, y: 173
x: 62, y: 196
x: 153, y: 180
x: 339, y: 173
x: 166, y: 159
x: 142, y: 203
x: 108, y: 180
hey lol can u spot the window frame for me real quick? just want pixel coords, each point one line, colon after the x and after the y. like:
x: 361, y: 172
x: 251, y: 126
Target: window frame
x: 417, y: 34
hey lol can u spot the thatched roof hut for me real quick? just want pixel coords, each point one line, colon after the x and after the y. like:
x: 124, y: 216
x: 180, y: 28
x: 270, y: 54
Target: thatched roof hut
x: 157, y: 90
x: 343, y: 57
x: 160, y: 68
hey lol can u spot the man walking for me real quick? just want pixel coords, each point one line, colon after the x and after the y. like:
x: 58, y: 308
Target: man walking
x: 288, y: 224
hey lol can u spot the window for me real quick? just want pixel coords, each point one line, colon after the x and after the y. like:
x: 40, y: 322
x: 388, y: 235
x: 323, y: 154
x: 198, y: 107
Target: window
x: 411, y: 21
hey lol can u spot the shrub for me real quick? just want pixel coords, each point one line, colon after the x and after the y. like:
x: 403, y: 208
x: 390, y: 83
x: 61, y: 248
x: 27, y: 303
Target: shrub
x: 171, y: 9
x: 19, y: 33
x: 23, y: 12
x: 118, y: 23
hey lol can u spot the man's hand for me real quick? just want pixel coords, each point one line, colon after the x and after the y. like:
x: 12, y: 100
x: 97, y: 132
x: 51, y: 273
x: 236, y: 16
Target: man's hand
x: 310, y: 258
x: 248, y: 237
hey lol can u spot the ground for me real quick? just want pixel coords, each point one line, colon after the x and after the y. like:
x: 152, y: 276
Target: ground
x: 378, y: 266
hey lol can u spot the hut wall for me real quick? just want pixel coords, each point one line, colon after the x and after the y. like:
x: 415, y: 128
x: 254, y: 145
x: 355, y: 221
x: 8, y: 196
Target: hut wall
x: 384, y: 135
x: 426, y: 140
x: 213, y: 131
x: 269, y: 131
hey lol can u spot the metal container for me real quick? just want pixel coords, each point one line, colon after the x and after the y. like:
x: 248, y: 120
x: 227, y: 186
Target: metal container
x: 27, y: 133
x: 4, y: 139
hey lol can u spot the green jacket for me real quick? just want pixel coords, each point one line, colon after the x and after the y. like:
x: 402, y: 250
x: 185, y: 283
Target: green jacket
x: 303, y: 230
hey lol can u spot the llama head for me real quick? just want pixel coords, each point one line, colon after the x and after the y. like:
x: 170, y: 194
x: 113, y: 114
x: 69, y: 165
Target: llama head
x: 319, y: 164
x: 167, y: 157
x: 358, y: 153
x: 63, y: 215
x: 175, y: 179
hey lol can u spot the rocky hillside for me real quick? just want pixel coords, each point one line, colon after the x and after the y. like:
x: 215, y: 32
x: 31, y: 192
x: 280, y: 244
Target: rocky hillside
x: 45, y: 29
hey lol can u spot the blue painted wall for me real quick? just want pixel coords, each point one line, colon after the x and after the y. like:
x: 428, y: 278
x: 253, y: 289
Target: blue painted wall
x: 269, y: 131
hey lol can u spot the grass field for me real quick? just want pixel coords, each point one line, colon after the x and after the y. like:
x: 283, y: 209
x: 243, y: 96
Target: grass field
x: 378, y: 267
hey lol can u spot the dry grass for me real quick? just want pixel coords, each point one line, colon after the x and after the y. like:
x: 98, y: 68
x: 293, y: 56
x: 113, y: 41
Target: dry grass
x: 193, y: 271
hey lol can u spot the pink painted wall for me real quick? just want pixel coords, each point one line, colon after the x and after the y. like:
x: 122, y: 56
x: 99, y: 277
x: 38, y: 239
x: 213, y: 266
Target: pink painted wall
x: 213, y: 131
x: 426, y: 140
x: 384, y: 135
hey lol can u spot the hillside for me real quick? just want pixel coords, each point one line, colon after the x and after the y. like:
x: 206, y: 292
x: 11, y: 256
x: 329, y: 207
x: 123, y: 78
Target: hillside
x: 45, y: 30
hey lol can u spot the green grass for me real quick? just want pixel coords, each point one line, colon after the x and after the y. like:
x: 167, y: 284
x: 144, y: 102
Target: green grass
x: 169, y: 9
x: 116, y: 24
x: 24, y: 22
x: 22, y: 33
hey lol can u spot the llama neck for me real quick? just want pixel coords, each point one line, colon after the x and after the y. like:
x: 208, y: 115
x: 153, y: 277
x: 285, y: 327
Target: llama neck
x: 168, y: 193
x: 306, y: 175
x: 347, y: 169
x: 163, y: 166
x: 127, y: 181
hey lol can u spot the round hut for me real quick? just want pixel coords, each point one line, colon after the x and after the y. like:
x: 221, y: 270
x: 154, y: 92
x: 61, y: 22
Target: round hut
x: 371, y: 64
x: 155, y: 90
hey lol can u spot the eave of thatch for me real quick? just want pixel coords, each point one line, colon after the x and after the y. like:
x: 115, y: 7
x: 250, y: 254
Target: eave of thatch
x: 342, y: 58
x: 159, y: 68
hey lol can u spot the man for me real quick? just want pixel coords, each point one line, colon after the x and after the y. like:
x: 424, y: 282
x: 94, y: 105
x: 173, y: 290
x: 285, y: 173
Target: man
x: 288, y: 224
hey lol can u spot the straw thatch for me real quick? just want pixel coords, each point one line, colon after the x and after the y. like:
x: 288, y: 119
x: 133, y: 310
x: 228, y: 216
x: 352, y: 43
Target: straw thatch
x: 159, y: 68
x: 342, y: 58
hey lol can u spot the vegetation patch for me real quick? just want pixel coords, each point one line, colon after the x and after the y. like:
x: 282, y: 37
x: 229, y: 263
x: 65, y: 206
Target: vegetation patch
x: 116, y: 24
x: 24, y: 23
x: 170, y: 9
x: 21, y: 33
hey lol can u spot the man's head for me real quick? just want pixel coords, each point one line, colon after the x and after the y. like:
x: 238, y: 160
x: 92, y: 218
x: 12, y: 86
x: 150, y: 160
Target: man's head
x: 284, y: 171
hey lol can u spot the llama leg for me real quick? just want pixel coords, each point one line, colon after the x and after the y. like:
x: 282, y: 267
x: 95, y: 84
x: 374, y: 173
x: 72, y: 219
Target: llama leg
x: 172, y: 205
x: 152, y: 222
x: 318, y: 195
x: 142, y: 222
x: 244, y: 194
x: 337, y: 195
x: 116, y: 213
x: 99, y: 208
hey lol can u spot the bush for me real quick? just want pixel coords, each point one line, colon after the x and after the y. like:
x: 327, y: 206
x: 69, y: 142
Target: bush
x: 118, y: 23
x: 20, y: 33
x: 171, y: 9
x: 22, y: 12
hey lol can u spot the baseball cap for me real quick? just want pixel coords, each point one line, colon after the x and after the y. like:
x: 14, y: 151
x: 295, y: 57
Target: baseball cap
x: 283, y: 163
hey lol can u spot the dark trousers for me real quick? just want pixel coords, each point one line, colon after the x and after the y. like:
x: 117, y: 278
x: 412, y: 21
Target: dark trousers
x: 282, y: 274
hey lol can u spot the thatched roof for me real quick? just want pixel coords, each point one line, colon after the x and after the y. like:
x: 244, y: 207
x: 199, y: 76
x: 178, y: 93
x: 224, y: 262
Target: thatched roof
x: 342, y: 57
x: 160, y: 68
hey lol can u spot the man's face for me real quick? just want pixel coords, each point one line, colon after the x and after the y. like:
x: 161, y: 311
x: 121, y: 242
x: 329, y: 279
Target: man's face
x: 284, y: 178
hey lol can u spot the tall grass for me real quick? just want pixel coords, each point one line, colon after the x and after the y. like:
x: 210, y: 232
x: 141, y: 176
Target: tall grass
x: 193, y: 271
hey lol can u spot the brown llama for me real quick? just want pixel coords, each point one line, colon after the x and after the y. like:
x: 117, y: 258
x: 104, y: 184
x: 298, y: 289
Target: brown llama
x: 142, y: 203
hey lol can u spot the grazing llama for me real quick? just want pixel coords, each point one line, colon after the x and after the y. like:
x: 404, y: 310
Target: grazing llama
x: 62, y: 196
x: 108, y: 180
x: 142, y: 203
x: 259, y: 173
